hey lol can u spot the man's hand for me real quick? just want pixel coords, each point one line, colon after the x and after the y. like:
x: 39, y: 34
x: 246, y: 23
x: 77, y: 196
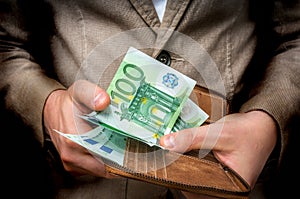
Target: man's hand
x: 61, y: 113
x: 242, y: 141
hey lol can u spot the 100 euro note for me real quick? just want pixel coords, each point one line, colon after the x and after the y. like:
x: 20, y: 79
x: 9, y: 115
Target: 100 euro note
x: 147, y: 98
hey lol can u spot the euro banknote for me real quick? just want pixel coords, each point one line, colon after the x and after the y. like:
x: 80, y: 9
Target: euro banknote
x: 101, y: 142
x: 147, y: 100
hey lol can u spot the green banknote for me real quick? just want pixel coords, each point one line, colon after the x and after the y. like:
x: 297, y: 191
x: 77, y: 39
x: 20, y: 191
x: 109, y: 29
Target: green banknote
x: 101, y: 142
x: 146, y: 97
x: 190, y: 116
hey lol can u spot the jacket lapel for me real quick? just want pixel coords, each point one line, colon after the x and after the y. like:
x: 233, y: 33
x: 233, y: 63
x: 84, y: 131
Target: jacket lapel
x: 173, y: 14
x: 147, y: 12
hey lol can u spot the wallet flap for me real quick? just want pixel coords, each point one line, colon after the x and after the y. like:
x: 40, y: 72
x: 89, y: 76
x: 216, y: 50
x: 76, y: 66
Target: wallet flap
x: 179, y: 171
x: 187, y: 171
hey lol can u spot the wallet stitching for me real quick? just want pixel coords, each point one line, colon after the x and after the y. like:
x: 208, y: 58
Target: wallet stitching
x: 177, y: 184
x: 180, y: 183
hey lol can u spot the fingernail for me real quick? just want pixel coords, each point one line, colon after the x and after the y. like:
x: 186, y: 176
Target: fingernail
x: 96, y: 99
x: 169, y: 141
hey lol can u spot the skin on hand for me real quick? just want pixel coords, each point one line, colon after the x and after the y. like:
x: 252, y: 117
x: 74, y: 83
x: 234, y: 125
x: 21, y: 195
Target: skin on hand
x: 242, y: 141
x: 61, y: 113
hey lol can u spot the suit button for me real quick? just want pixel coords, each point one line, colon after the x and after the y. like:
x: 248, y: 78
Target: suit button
x: 164, y: 57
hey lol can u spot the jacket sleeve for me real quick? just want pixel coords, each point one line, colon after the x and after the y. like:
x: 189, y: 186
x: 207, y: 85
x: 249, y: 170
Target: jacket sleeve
x: 22, y: 80
x: 278, y: 93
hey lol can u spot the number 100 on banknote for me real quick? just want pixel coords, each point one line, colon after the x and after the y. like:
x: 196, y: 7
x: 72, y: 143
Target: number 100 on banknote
x: 146, y: 97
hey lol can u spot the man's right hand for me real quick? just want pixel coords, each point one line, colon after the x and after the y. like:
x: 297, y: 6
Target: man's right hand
x: 61, y: 113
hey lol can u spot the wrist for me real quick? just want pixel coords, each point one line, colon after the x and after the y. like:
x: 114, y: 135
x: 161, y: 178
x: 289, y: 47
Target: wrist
x: 51, y: 101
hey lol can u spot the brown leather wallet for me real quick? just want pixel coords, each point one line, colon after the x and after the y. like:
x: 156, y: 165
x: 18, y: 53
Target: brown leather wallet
x: 186, y: 172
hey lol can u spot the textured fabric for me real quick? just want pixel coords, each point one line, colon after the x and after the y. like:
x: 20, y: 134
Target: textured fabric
x: 90, y: 187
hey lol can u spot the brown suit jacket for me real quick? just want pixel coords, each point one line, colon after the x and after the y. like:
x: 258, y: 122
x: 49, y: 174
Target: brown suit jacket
x: 245, y: 50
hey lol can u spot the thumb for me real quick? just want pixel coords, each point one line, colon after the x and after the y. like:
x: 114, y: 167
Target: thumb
x: 180, y: 141
x: 203, y: 137
x: 90, y: 95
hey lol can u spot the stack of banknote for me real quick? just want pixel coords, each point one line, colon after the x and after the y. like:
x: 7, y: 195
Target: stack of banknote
x: 148, y: 100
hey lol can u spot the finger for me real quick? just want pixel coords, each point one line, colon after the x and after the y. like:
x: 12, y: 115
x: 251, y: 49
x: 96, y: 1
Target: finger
x: 90, y: 95
x: 78, y: 161
x: 205, y: 137
x: 178, y: 141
